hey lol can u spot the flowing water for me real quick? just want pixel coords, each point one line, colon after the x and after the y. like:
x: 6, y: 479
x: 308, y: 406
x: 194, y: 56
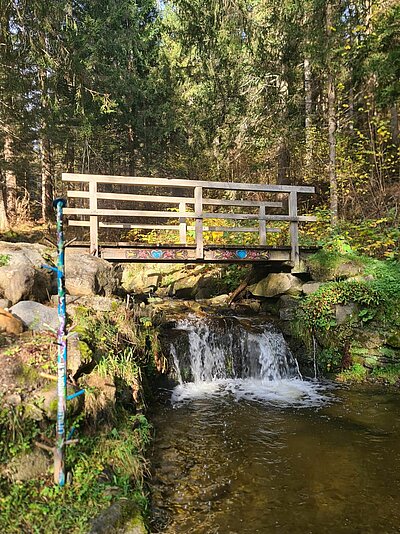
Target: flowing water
x: 247, y: 446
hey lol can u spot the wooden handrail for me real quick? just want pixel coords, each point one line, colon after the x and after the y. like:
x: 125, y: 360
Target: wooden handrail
x: 197, y: 199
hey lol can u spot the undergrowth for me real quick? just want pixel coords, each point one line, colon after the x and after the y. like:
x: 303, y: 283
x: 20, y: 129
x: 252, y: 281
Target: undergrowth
x: 373, y: 293
x: 105, y: 467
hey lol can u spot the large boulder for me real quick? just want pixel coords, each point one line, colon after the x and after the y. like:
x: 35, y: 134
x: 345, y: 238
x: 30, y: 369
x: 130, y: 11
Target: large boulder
x: 22, y: 276
x: 36, y: 316
x: 10, y: 324
x: 325, y: 266
x: 88, y: 275
x: 277, y: 284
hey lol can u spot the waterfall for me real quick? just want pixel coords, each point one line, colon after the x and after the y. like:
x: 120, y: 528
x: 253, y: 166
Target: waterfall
x: 233, y: 355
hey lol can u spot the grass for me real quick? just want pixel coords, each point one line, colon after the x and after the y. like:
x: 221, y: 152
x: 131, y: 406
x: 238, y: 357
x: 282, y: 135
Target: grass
x: 105, y: 468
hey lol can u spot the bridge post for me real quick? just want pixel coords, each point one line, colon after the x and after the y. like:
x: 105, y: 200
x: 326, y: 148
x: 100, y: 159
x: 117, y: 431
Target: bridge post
x: 262, y: 226
x: 198, y: 213
x: 294, y: 229
x: 182, y: 224
x: 94, y: 222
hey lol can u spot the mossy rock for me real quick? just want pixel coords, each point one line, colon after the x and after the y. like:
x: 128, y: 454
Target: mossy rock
x: 327, y: 266
x: 394, y: 340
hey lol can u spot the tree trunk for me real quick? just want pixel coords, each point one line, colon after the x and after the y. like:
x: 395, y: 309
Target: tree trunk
x: 332, y: 122
x: 308, y: 112
x: 47, y: 180
x: 11, y: 178
x: 394, y: 124
x: 4, y: 226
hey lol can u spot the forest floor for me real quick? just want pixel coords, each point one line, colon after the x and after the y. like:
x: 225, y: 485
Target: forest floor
x: 29, y: 232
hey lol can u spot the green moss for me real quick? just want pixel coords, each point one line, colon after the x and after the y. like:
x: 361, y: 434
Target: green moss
x: 4, y: 260
x: 27, y: 375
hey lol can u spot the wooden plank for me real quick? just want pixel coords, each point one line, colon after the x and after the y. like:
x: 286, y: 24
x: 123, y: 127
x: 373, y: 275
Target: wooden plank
x: 152, y: 199
x: 94, y: 222
x: 294, y: 229
x: 129, y: 226
x: 175, y: 227
x: 173, y: 182
x: 174, y: 200
x: 128, y: 213
x: 256, y: 216
x: 182, y: 223
x: 262, y: 226
x: 188, y: 214
x: 245, y: 203
x: 198, y: 208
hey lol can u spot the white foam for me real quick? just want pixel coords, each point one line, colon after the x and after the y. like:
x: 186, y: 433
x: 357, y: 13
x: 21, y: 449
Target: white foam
x: 285, y: 393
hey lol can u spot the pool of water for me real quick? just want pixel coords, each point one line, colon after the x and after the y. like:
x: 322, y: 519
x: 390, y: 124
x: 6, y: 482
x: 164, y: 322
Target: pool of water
x: 230, y: 463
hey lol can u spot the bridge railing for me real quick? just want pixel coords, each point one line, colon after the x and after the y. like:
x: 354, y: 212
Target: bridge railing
x: 194, y: 195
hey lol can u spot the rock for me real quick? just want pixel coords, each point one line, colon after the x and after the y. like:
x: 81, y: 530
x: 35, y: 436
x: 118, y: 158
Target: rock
x: 324, y: 267
x: 12, y: 400
x: 394, y: 340
x: 219, y: 300
x: 185, y: 288
x: 50, y: 401
x: 114, y: 520
x: 101, y: 397
x: 247, y: 306
x: 287, y: 314
x: 311, y: 287
x: 276, y: 284
x: 97, y: 303
x: 36, y: 316
x: 88, y: 276
x: 10, y: 324
x: 29, y: 466
x: 5, y: 303
x: 287, y: 307
x: 22, y: 277
x: 344, y: 312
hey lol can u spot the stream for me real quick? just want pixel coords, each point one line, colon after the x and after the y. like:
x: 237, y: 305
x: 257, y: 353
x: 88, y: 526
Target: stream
x: 246, y: 445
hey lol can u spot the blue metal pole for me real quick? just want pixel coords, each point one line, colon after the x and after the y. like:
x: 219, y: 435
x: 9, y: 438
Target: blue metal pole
x: 59, y: 451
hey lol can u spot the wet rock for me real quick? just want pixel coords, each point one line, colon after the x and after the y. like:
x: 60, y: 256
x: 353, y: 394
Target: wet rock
x: 114, y: 520
x: 29, y: 466
x: 36, y: 316
x: 10, y: 324
x: 88, y: 276
x: 247, y: 306
x: 277, y: 284
x: 394, y: 340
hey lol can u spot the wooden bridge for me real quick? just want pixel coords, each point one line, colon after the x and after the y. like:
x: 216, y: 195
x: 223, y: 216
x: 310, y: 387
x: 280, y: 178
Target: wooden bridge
x: 181, y: 203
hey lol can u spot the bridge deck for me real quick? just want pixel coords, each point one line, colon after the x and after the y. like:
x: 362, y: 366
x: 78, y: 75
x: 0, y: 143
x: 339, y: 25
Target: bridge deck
x: 130, y: 252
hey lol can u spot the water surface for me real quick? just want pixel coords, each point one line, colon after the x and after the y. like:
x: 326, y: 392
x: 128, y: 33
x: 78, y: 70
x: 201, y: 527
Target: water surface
x: 231, y: 463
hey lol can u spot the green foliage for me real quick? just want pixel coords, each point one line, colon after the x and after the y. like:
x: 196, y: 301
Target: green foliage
x: 389, y: 374
x: 318, y: 310
x: 4, y: 260
x: 16, y: 431
x: 356, y: 374
x: 234, y: 275
x: 376, y: 293
x: 105, y: 467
